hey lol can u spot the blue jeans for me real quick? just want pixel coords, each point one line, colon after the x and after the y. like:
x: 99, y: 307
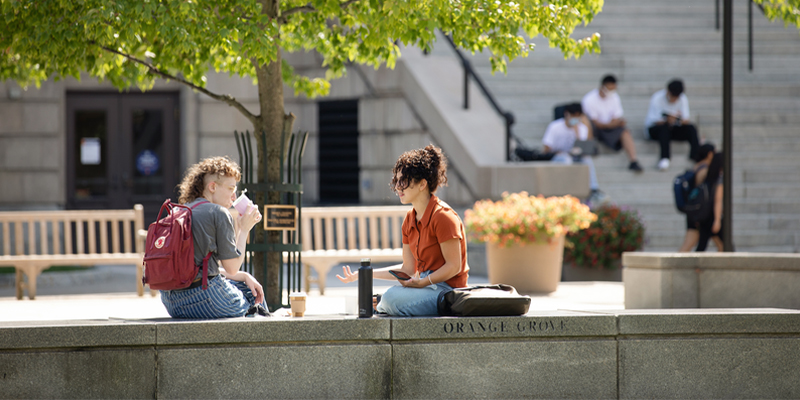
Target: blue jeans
x: 565, y: 158
x: 224, y: 298
x: 410, y: 302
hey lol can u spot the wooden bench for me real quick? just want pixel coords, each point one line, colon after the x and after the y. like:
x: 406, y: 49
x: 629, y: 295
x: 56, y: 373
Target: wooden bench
x: 334, y: 235
x: 33, y: 241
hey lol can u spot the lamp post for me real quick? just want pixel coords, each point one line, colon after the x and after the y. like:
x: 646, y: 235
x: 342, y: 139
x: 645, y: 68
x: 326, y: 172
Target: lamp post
x: 727, y: 118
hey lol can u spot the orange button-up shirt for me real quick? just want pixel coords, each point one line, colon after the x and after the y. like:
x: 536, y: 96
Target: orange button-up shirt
x: 439, y: 224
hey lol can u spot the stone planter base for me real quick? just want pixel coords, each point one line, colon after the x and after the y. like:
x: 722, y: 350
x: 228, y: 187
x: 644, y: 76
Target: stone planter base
x: 530, y: 268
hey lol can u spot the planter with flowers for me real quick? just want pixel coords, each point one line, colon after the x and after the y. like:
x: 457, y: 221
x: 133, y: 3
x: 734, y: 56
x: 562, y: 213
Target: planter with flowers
x: 595, y: 253
x: 524, y: 237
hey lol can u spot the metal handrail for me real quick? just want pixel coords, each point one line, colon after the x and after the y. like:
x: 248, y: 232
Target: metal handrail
x: 749, y: 28
x: 470, y: 71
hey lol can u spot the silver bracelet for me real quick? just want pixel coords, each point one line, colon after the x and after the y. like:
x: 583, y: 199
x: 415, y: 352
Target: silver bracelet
x: 429, y: 279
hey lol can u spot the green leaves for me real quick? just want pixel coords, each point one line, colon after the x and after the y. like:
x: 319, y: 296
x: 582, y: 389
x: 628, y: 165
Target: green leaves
x: 56, y: 38
x: 786, y: 10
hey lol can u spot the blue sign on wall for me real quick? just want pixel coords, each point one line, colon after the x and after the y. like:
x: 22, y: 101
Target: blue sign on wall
x: 147, y: 163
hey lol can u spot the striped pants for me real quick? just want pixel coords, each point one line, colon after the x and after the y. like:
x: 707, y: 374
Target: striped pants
x: 224, y: 298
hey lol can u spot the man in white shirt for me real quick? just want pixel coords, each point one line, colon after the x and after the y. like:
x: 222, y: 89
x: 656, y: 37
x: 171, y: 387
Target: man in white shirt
x: 604, y: 109
x: 560, y: 137
x: 668, y: 119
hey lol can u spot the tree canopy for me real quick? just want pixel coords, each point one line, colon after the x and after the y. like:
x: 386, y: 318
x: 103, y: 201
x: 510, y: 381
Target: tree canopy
x: 787, y: 11
x: 128, y: 42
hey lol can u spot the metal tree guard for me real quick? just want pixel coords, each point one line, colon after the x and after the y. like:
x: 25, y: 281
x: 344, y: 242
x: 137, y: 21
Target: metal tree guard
x: 291, y: 193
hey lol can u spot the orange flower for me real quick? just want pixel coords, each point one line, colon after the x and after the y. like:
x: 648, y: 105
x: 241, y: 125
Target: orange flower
x: 521, y: 218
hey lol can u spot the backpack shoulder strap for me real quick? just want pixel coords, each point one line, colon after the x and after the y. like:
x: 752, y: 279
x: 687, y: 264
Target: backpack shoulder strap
x: 198, y: 203
x: 205, y: 259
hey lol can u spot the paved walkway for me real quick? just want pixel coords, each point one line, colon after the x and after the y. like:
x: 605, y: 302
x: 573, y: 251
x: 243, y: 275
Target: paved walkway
x: 108, y: 292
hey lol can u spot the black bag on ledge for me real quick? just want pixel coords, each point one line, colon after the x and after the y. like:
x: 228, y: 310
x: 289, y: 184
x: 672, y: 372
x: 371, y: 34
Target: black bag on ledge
x: 483, y: 301
x: 526, y: 154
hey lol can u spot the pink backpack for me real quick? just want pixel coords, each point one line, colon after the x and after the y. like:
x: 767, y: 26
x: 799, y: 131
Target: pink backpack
x: 169, y: 250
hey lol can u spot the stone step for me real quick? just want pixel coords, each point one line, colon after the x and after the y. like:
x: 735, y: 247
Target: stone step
x: 739, y: 248
x: 664, y: 20
x: 700, y: 48
x: 760, y: 133
x: 769, y: 174
x: 639, y: 104
x: 532, y: 122
x: 666, y: 206
x: 614, y: 173
x: 742, y: 144
x: 576, y: 82
x: 631, y: 35
x: 743, y: 222
x: 544, y: 57
x: 642, y: 189
x: 748, y: 239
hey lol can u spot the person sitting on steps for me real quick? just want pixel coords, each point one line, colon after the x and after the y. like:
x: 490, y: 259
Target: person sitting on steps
x: 668, y: 119
x: 560, y: 137
x: 604, y: 108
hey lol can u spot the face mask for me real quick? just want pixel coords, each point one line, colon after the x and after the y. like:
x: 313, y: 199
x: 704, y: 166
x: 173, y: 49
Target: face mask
x: 574, y: 121
x: 608, y: 92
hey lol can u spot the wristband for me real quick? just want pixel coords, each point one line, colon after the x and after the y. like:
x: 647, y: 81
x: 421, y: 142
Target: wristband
x: 429, y: 279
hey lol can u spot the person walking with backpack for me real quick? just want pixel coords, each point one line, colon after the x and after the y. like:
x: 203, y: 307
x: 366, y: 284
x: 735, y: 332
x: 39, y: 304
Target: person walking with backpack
x: 711, y: 227
x: 702, y: 160
x: 434, y: 239
x: 209, y: 187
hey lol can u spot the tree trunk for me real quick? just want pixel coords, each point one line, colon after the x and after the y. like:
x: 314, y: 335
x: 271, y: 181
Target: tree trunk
x: 270, y: 124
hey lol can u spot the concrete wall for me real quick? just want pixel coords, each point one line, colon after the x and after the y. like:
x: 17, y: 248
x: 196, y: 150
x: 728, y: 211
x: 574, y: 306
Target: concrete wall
x: 711, y: 280
x: 546, y: 354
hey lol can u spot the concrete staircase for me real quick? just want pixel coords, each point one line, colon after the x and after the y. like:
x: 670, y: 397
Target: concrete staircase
x: 645, y: 44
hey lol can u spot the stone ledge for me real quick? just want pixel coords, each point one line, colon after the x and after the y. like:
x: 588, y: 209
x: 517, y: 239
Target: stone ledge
x: 758, y: 261
x: 708, y: 321
x: 559, y: 354
x: 712, y: 280
x: 550, y: 325
x: 71, y: 334
x: 273, y: 330
x: 555, y: 324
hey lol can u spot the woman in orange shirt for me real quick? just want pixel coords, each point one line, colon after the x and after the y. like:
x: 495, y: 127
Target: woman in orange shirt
x: 434, y: 241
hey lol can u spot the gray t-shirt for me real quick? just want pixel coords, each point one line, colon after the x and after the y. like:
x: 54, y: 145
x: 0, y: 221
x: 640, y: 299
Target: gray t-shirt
x: 212, y: 229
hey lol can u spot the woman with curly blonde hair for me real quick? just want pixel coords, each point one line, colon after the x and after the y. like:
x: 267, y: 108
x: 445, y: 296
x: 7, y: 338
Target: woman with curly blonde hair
x: 434, y: 241
x: 210, y: 188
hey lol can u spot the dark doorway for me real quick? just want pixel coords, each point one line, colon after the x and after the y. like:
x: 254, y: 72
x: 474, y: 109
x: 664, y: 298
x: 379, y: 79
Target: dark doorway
x: 122, y: 149
x: 338, y: 152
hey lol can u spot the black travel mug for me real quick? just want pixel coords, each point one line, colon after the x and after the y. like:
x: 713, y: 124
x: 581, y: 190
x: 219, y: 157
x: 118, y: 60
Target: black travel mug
x: 365, y: 289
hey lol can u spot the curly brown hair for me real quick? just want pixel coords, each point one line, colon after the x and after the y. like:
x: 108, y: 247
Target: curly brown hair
x: 193, y: 182
x: 414, y: 165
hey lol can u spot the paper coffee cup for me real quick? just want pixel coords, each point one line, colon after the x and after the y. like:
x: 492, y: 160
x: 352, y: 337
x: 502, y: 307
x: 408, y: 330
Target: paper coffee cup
x: 298, y: 303
x: 351, y: 305
x: 242, y: 204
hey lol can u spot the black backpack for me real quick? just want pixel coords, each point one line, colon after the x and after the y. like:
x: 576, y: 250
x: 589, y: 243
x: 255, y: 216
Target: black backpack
x: 699, y: 203
x: 688, y: 198
x: 482, y: 301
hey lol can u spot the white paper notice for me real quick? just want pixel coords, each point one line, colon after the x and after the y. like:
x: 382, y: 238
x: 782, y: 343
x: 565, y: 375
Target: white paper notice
x: 90, y: 151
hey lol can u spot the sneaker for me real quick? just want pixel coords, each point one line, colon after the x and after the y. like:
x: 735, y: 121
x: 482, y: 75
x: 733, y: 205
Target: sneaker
x: 635, y: 167
x: 596, y: 197
x: 663, y: 164
x: 257, y: 309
